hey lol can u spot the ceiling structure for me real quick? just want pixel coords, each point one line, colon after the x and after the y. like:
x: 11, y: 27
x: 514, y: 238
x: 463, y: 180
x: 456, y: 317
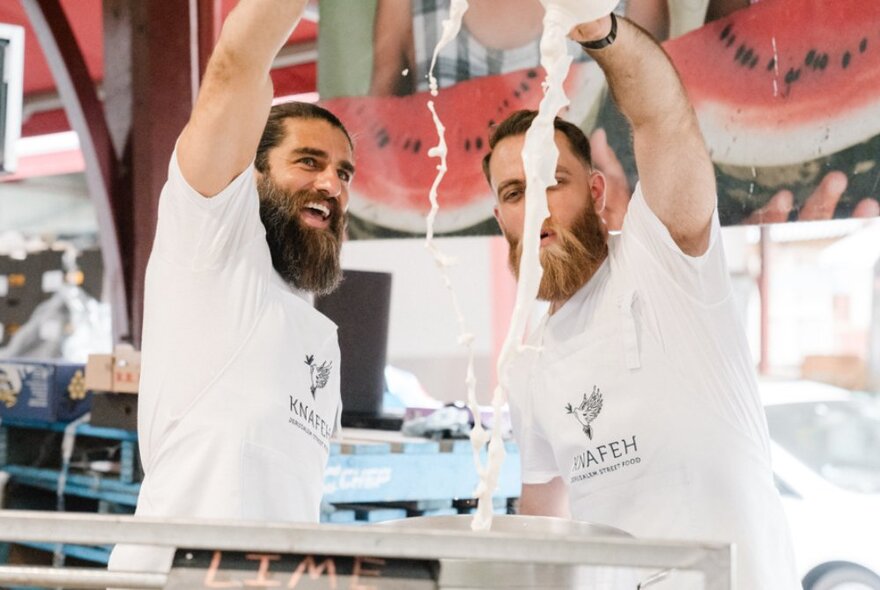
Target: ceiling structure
x: 295, y: 68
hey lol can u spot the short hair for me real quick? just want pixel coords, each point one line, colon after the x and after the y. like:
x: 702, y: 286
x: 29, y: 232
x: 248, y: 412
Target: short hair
x: 519, y: 122
x: 273, y: 132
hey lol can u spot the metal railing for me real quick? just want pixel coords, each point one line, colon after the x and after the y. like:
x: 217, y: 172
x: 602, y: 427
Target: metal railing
x: 713, y: 560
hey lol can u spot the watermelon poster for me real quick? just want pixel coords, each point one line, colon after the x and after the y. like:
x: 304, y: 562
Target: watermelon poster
x: 787, y: 93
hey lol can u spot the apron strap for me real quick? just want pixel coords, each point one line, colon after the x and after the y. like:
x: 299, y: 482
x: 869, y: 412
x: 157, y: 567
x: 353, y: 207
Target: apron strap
x: 630, y: 335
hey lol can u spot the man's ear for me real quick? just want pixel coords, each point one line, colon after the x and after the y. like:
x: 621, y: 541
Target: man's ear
x: 499, y: 219
x: 597, y: 190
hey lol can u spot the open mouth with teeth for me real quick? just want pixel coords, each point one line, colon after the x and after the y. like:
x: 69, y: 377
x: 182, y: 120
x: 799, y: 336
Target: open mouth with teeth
x: 316, y: 214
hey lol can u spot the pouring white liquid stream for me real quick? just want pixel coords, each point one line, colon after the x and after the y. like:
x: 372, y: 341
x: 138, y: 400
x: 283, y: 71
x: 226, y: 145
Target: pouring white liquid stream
x: 490, y: 472
x: 540, y: 155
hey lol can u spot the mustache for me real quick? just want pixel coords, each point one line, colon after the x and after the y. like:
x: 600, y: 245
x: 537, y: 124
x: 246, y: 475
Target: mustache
x: 571, y: 262
x: 304, y: 256
x: 298, y: 200
x: 291, y: 203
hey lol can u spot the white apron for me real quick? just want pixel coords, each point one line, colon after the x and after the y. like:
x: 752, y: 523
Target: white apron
x: 641, y: 450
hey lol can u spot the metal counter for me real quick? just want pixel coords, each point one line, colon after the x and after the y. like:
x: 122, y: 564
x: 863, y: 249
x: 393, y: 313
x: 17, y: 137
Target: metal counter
x: 713, y: 561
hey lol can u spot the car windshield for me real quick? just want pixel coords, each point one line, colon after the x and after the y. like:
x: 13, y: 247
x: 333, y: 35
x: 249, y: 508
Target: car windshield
x: 840, y: 440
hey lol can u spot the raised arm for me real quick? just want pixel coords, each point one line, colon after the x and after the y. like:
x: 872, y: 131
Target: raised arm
x: 676, y: 174
x: 393, y: 49
x: 222, y: 134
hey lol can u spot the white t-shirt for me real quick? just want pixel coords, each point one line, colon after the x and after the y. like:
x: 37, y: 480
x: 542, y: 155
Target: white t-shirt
x: 239, y: 392
x: 641, y: 395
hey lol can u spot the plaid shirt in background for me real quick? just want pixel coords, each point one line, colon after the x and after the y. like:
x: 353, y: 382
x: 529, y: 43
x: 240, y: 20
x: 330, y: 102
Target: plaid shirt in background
x: 466, y: 57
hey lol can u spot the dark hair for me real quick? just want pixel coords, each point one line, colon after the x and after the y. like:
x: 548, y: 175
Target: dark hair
x: 273, y: 133
x: 519, y: 122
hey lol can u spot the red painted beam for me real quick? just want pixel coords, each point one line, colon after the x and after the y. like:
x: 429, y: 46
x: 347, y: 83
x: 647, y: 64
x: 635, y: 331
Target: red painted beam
x: 86, y: 116
x: 163, y: 63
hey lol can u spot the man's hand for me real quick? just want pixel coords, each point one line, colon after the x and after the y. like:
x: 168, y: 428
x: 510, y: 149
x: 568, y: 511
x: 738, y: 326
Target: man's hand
x: 545, y: 499
x: 592, y: 31
x: 820, y: 205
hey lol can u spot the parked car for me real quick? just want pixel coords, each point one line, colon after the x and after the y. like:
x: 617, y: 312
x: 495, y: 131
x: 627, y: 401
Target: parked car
x: 825, y: 443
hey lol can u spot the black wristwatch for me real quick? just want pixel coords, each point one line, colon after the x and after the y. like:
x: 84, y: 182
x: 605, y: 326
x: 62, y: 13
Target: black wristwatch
x: 605, y: 41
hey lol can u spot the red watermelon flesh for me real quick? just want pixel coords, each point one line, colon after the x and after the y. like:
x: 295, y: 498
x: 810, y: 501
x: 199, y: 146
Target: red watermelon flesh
x: 784, y: 81
x: 392, y: 136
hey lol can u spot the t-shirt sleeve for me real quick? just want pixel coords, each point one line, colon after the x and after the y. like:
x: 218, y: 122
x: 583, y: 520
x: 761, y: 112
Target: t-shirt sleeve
x: 201, y: 233
x: 536, y: 455
x: 646, y: 240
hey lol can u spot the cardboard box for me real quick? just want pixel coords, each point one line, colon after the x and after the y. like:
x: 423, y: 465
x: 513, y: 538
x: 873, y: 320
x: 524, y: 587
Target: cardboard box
x: 43, y: 390
x: 119, y: 372
x: 126, y: 369
x: 99, y: 372
x: 114, y: 410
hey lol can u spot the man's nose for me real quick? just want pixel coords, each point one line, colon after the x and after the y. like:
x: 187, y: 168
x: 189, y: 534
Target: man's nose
x: 328, y: 182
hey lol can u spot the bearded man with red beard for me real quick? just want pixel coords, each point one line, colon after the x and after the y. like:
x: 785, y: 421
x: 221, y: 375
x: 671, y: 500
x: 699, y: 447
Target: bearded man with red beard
x: 635, y: 404
x: 239, y: 391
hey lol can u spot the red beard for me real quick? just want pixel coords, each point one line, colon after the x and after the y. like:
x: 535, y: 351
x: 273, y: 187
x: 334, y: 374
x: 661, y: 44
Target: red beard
x: 571, y: 261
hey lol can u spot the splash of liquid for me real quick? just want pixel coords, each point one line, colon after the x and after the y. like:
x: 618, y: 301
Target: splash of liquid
x: 540, y: 155
x: 488, y: 474
x: 451, y: 27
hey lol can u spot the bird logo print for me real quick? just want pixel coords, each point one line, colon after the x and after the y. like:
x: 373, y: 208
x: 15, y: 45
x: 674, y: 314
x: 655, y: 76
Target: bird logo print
x: 318, y: 374
x: 587, y: 411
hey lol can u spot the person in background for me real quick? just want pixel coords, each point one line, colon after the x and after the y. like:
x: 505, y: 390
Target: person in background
x: 635, y: 401
x: 239, y: 392
x: 491, y: 41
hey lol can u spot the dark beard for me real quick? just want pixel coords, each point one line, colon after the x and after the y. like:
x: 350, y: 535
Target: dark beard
x: 572, y: 261
x: 304, y: 256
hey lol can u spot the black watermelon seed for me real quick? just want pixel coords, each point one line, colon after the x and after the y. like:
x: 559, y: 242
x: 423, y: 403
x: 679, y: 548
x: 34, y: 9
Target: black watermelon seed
x: 531, y: 74
x: 823, y: 61
x: 863, y: 45
x: 731, y: 40
x: 506, y: 103
x: 846, y: 58
x: 524, y: 87
x: 748, y: 57
x: 811, y: 55
x: 739, y: 52
x: 479, y: 143
x: 771, y: 64
x: 467, y: 144
x: 790, y: 76
x: 417, y: 146
x: 406, y: 144
x: 382, y: 140
x: 753, y: 63
x: 516, y: 93
x: 726, y: 31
